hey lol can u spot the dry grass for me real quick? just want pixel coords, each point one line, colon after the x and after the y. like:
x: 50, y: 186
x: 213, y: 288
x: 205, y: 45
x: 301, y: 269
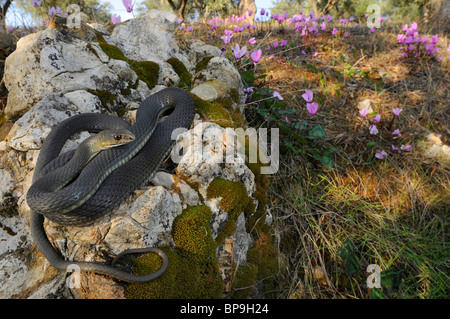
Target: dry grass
x: 396, y: 211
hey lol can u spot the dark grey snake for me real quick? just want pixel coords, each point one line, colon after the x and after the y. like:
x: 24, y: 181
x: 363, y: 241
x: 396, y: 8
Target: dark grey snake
x: 109, y: 178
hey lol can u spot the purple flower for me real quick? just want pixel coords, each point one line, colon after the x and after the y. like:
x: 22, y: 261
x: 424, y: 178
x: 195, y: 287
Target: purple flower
x: 394, y: 148
x: 334, y: 32
x: 36, y: 3
x: 396, y: 111
x: 372, y: 30
x: 238, y: 52
x: 262, y: 12
x: 115, y: 19
x: 376, y: 118
x: 315, y: 55
x: 312, y: 107
x: 128, y: 4
x: 180, y: 20
x: 275, y: 44
x: 250, y: 12
x: 190, y: 28
x: 228, y: 32
x: 308, y: 96
x: 256, y: 56
x: 181, y: 27
x: 381, y: 154
x: 277, y: 95
x: 406, y: 148
x: 52, y: 11
x: 396, y: 132
x: 252, y: 40
x: 226, y: 39
x: 373, y: 129
x: 363, y: 112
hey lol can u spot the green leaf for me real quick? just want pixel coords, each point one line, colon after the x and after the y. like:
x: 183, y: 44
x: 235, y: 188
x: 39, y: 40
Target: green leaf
x: 348, y: 255
x: 303, y: 126
x: 371, y: 144
x: 317, y: 132
x: 312, y: 67
x: 391, y: 278
x: 263, y: 112
x: 351, y: 72
x: 327, y: 161
x: 248, y: 77
x: 376, y: 293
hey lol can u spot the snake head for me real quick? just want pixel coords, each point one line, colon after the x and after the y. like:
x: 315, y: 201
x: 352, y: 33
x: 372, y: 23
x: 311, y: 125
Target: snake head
x: 111, y: 138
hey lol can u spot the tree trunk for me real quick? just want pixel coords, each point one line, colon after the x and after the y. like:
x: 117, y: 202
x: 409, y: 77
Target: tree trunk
x: 3, y: 10
x: 330, y: 5
x: 315, y: 8
x: 245, y: 6
x: 179, y: 8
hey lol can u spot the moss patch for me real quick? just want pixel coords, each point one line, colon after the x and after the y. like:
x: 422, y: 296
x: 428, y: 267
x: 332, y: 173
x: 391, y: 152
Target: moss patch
x: 202, y: 64
x: 219, y: 111
x: 183, y: 73
x: 193, y: 270
x: 106, y: 98
x: 147, y: 71
x: 234, y: 201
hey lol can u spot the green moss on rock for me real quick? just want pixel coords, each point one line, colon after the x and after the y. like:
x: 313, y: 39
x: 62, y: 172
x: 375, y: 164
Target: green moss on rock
x: 183, y: 73
x: 202, y: 64
x: 193, y: 269
x: 147, y: 71
x: 106, y: 98
x: 234, y: 201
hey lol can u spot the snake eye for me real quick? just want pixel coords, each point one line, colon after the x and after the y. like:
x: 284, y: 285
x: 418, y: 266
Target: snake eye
x: 117, y: 137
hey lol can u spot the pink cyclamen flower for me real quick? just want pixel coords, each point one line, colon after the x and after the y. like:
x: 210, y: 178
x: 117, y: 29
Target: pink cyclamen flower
x: 36, y: 3
x: 181, y: 27
x: 334, y: 32
x: 312, y: 107
x: 190, y: 28
x: 275, y: 44
x: 277, y: 95
x: 396, y: 132
x: 315, y: 55
x: 238, y: 52
x: 376, y: 118
x: 363, y: 112
x: 373, y: 129
x: 406, y: 148
x: 396, y: 111
x: 394, y: 148
x: 226, y: 38
x: 256, y: 56
x: 283, y: 43
x: 115, y: 19
x: 308, y: 96
x: 372, y: 30
x: 381, y: 154
x: 128, y: 4
x: 252, y: 40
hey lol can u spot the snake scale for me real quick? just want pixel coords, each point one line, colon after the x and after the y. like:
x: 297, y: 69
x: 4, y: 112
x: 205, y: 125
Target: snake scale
x: 109, y: 178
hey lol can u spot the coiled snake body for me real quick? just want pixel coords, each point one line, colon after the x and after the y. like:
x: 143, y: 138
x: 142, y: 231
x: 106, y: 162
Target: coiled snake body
x: 109, y: 178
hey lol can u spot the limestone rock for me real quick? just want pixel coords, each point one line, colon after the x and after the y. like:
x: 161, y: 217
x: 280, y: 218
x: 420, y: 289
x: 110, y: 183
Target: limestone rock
x: 52, y: 76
